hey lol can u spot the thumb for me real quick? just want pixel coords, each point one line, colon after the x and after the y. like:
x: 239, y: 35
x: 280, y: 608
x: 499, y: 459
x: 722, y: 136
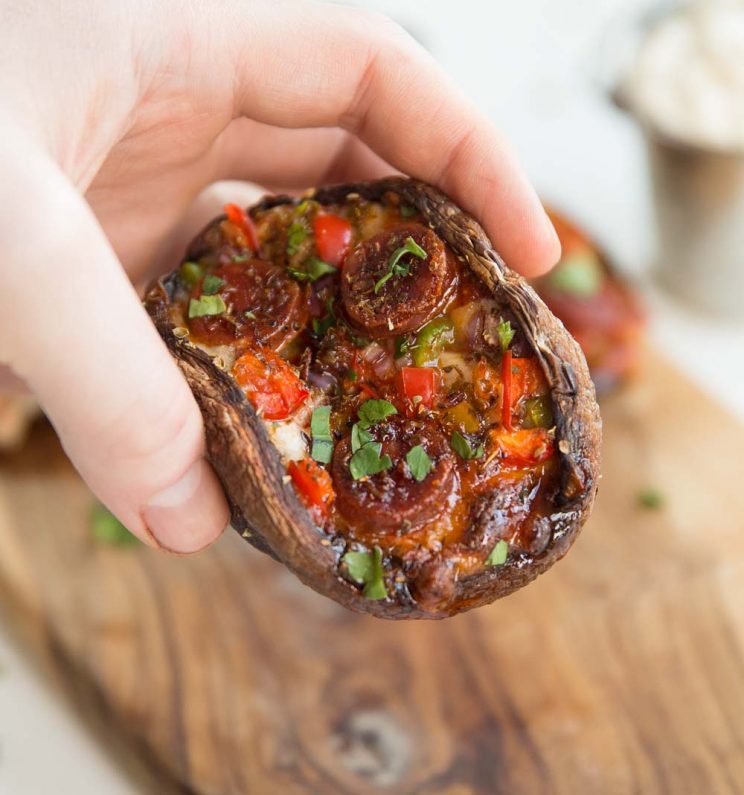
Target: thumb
x: 72, y: 326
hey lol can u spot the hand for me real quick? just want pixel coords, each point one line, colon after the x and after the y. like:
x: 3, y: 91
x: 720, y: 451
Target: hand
x: 114, y: 117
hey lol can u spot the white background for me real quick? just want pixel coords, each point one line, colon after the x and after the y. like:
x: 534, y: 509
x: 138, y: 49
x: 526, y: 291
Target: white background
x: 532, y: 66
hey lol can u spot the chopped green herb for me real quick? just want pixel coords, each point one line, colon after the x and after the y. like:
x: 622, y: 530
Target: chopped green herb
x: 240, y: 258
x: 250, y: 315
x: 395, y: 267
x: 402, y: 346
x: 322, y: 325
x: 352, y: 375
x: 359, y: 342
x: 367, y: 461
x: 650, y: 498
x: 407, y: 211
x: 190, y: 273
x: 206, y: 305
x: 463, y: 448
x: 372, y: 411
x: 320, y: 428
x: 314, y: 269
x: 579, y: 274
x: 419, y: 462
x: 317, y: 267
x: 296, y: 235
x: 506, y: 334
x: 431, y: 339
x: 211, y: 284
x: 359, y: 437
x: 498, y: 554
x: 365, y: 568
x: 107, y: 529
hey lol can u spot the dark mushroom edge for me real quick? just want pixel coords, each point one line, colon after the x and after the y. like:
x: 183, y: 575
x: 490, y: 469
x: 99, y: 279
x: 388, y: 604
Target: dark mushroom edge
x: 393, y: 413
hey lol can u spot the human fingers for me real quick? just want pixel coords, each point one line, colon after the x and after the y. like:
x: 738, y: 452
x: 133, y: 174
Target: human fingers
x: 73, y: 329
x: 361, y: 72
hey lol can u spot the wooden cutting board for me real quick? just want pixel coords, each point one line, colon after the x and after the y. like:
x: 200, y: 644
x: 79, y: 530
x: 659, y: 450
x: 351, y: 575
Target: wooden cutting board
x: 621, y: 670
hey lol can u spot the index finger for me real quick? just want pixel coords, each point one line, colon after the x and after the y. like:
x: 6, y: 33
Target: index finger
x: 349, y: 68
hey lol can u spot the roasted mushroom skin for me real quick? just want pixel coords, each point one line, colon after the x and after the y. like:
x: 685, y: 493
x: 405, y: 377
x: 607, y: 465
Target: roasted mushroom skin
x: 546, y: 504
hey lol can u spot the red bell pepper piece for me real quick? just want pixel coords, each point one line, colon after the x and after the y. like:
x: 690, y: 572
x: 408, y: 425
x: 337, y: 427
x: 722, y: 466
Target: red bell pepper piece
x: 270, y: 384
x: 313, y: 483
x: 244, y: 222
x: 506, y: 390
x: 421, y: 382
x: 332, y: 238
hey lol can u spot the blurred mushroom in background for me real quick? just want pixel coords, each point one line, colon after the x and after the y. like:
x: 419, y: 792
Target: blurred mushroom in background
x: 598, y: 308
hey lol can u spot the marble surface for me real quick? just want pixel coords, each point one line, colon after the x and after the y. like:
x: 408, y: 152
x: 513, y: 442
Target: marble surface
x: 533, y: 68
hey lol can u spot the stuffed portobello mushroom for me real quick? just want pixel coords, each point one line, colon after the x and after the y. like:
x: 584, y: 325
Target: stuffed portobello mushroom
x: 600, y: 310
x: 393, y: 413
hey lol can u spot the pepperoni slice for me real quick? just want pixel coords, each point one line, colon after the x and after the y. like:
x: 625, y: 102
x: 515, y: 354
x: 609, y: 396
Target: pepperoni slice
x: 405, y: 302
x: 393, y: 500
x: 263, y: 303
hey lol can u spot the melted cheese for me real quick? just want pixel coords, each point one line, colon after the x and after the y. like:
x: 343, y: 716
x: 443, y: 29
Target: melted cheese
x: 289, y: 440
x: 455, y: 367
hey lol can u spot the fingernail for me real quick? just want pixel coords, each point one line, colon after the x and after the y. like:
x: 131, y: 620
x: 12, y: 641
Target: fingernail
x: 190, y: 514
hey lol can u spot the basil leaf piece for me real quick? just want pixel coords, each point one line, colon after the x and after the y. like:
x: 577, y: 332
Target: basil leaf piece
x: 296, y: 234
x: 359, y: 565
x: 320, y: 428
x: 395, y: 267
x: 206, y: 305
x: 190, y: 273
x: 367, y: 461
x: 107, y: 529
x: 321, y: 326
x: 320, y: 423
x: 211, y: 284
x: 250, y: 315
x: 463, y: 448
x: 579, y: 274
x: 359, y: 437
x: 419, y: 462
x: 365, y: 568
x: 498, y: 554
x: 314, y: 269
x: 506, y: 334
x: 322, y: 451
x: 372, y: 411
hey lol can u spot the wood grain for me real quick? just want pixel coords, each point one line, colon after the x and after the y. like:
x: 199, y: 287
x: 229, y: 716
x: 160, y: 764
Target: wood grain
x: 621, y: 670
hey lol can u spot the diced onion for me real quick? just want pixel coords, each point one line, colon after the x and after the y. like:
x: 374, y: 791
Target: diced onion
x: 381, y: 360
